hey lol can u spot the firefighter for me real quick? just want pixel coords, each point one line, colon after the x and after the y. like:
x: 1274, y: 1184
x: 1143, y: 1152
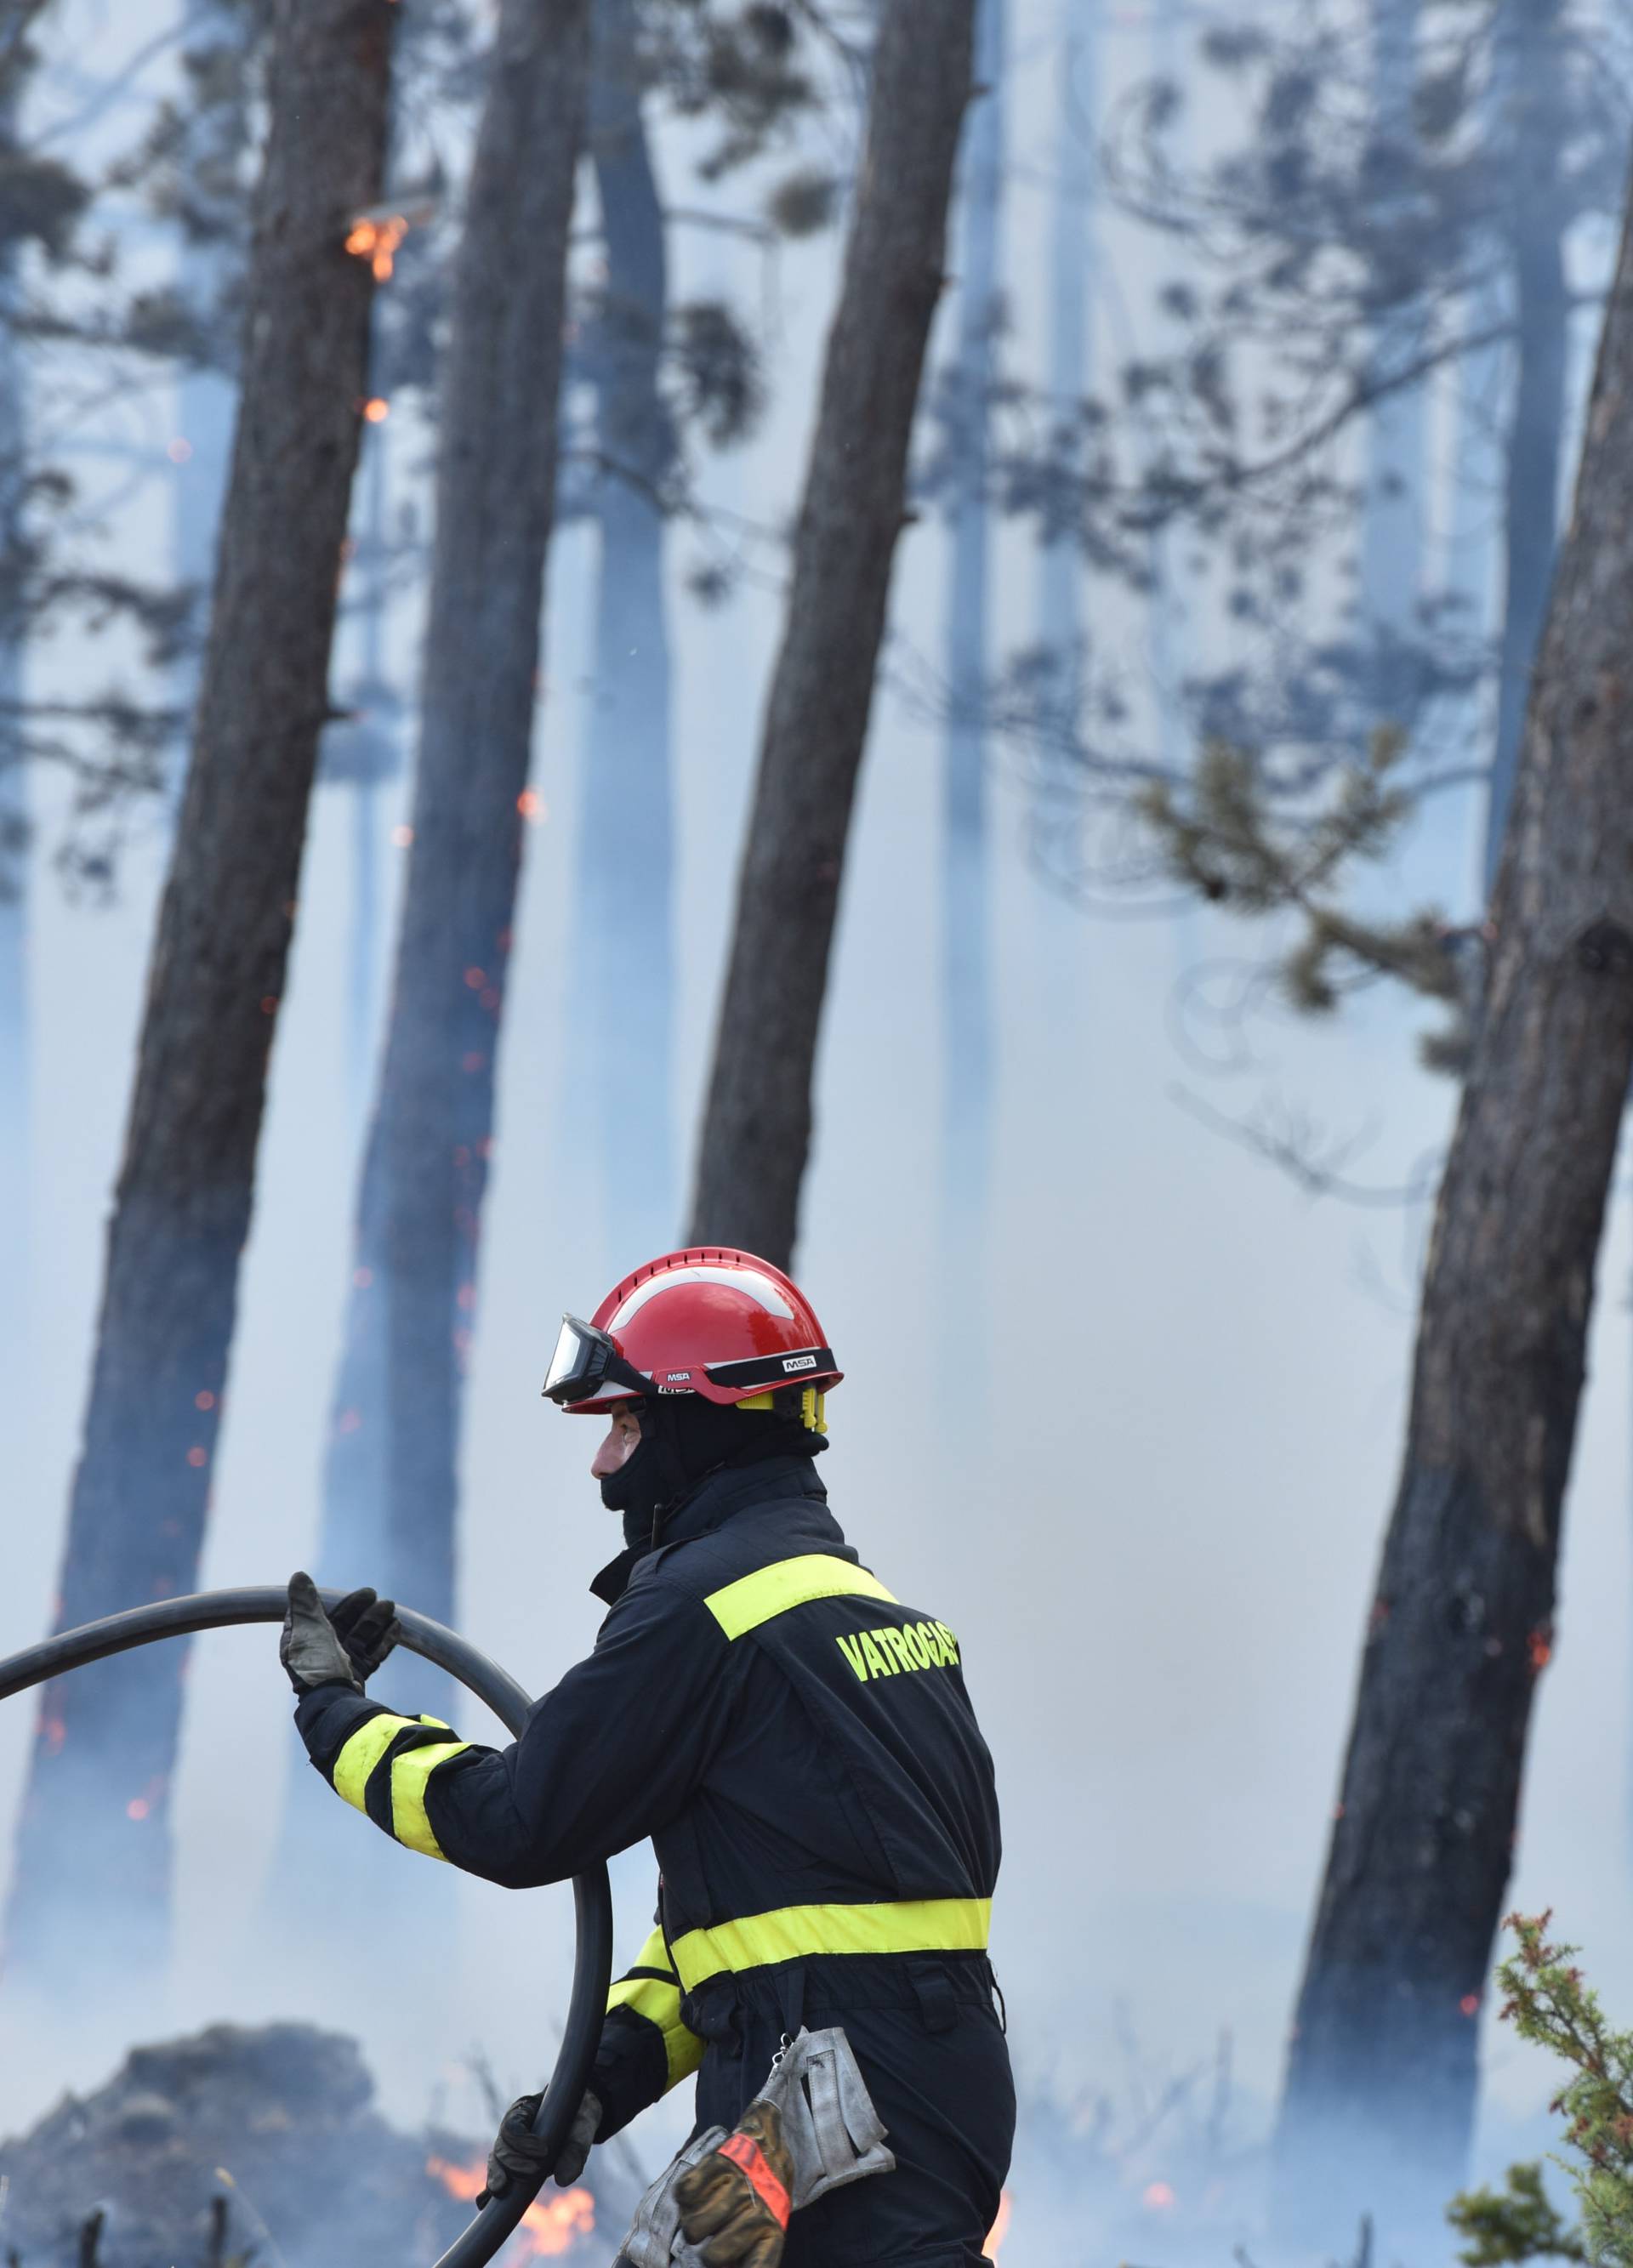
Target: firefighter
x: 798, y: 1744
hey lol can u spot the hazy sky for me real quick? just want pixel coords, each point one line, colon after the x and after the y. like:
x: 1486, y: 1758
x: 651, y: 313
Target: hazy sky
x: 1141, y: 1460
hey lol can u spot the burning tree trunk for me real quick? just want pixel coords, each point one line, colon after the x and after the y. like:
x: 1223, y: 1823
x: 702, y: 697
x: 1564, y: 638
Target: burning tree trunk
x: 1380, y: 2083
x: 90, y: 1899
x: 625, y: 825
x: 390, y: 1488
x: 757, y: 1125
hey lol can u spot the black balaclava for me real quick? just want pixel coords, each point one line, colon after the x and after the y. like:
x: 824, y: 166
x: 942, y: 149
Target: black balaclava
x: 683, y: 1438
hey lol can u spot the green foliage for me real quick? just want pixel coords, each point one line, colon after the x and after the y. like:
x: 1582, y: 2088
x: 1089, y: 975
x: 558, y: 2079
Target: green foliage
x: 1230, y: 835
x: 1517, y: 2224
x: 1549, y: 2003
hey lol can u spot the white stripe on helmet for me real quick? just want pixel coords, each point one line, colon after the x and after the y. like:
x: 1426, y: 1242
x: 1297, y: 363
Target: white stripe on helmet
x: 738, y: 1279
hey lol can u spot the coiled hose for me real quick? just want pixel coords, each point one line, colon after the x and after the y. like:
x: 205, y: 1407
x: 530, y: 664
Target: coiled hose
x: 591, y: 1895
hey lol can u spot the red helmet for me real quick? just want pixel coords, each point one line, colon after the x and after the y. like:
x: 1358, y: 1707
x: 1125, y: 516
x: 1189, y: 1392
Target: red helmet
x: 706, y: 1321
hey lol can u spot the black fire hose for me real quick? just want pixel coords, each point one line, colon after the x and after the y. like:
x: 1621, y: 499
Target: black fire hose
x: 591, y: 1897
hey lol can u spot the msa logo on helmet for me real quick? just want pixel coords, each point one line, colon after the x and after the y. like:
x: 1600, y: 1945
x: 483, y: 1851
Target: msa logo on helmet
x: 799, y: 1362
x: 677, y: 1377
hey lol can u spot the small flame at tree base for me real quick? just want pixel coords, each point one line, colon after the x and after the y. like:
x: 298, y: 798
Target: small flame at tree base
x: 999, y: 2227
x: 550, y: 2227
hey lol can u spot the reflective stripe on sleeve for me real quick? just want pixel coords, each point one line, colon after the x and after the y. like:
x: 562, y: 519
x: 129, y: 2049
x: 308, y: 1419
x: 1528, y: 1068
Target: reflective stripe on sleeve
x: 794, y: 1932
x: 651, y: 1990
x: 362, y: 1752
x: 409, y: 1775
x: 742, y: 1606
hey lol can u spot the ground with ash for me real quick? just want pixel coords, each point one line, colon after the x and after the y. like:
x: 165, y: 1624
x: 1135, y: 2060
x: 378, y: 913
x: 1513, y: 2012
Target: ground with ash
x: 237, y: 2145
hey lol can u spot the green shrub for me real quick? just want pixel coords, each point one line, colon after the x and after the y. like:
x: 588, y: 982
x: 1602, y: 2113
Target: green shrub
x: 1549, y: 2001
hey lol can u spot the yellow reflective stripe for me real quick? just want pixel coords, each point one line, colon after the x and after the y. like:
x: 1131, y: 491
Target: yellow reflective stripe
x: 658, y: 1999
x: 684, y: 2052
x: 754, y: 1598
x: 660, y: 2005
x: 409, y: 1775
x: 653, y: 1954
x: 908, y: 1926
x: 362, y: 1751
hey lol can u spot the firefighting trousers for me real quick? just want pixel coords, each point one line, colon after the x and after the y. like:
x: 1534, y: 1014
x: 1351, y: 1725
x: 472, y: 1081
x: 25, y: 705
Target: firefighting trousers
x: 931, y: 2050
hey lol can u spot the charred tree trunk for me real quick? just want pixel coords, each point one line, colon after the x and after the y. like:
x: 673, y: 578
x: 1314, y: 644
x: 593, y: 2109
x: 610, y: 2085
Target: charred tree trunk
x: 90, y: 1900
x: 757, y: 1125
x: 1381, y: 2074
x: 390, y: 1490
x: 624, y: 936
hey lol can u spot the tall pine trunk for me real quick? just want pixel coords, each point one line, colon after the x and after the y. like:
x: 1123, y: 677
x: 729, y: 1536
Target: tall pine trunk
x: 1381, y: 2074
x: 626, y: 862
x: 217, y: 37
x: 15, y: 1055
x: 757, y: 1124
x: 966, y: 880
x: 1532, y: 66
x: 1392, y: 523
x: 390, y: 1487
x: 90, y: 1900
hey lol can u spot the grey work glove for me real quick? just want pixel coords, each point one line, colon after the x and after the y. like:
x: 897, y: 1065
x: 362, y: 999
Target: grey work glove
x: 516, y: 2155
x: 345, y: 1648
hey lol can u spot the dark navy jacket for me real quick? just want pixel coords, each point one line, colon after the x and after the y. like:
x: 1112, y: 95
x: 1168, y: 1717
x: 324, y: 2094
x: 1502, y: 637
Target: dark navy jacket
x: 799, y: 1746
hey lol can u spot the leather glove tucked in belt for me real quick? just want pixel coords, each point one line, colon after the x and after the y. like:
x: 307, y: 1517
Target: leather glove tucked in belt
x: 735, y: 2204
x: 517, y: 2153
x: 343, y: 1648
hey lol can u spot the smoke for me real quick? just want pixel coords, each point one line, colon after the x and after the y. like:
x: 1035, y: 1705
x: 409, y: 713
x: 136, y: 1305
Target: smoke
x: 1152, y: 1517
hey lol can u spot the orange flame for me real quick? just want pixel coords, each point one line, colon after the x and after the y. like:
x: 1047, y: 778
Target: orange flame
x: 999, y: 2227
x: 376, y: 240
x: 550, y: 2227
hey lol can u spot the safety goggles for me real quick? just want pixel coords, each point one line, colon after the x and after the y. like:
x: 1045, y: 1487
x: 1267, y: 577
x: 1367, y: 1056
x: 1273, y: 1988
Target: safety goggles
x: 584, y: 1363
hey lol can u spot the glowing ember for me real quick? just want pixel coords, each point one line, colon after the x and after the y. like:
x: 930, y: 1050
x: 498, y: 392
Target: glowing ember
x: 1470, y: 2004
x: 197, y: 1458
x: 1540, y: 1648
x: 1158, y: 2197
x: 550, y: 2227
x: 531, y: 804
x: 136, y: 1808
x: 999, y: 2227
x: 376, y: 238
x: 376, y: 409
x: 403, y: 836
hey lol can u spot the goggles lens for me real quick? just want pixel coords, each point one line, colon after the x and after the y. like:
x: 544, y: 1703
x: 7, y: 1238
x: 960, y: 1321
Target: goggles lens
x: 584, y: 1361
x: 580, y: 1362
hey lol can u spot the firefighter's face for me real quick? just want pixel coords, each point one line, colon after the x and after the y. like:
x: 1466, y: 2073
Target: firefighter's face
x: 622, y: 1440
